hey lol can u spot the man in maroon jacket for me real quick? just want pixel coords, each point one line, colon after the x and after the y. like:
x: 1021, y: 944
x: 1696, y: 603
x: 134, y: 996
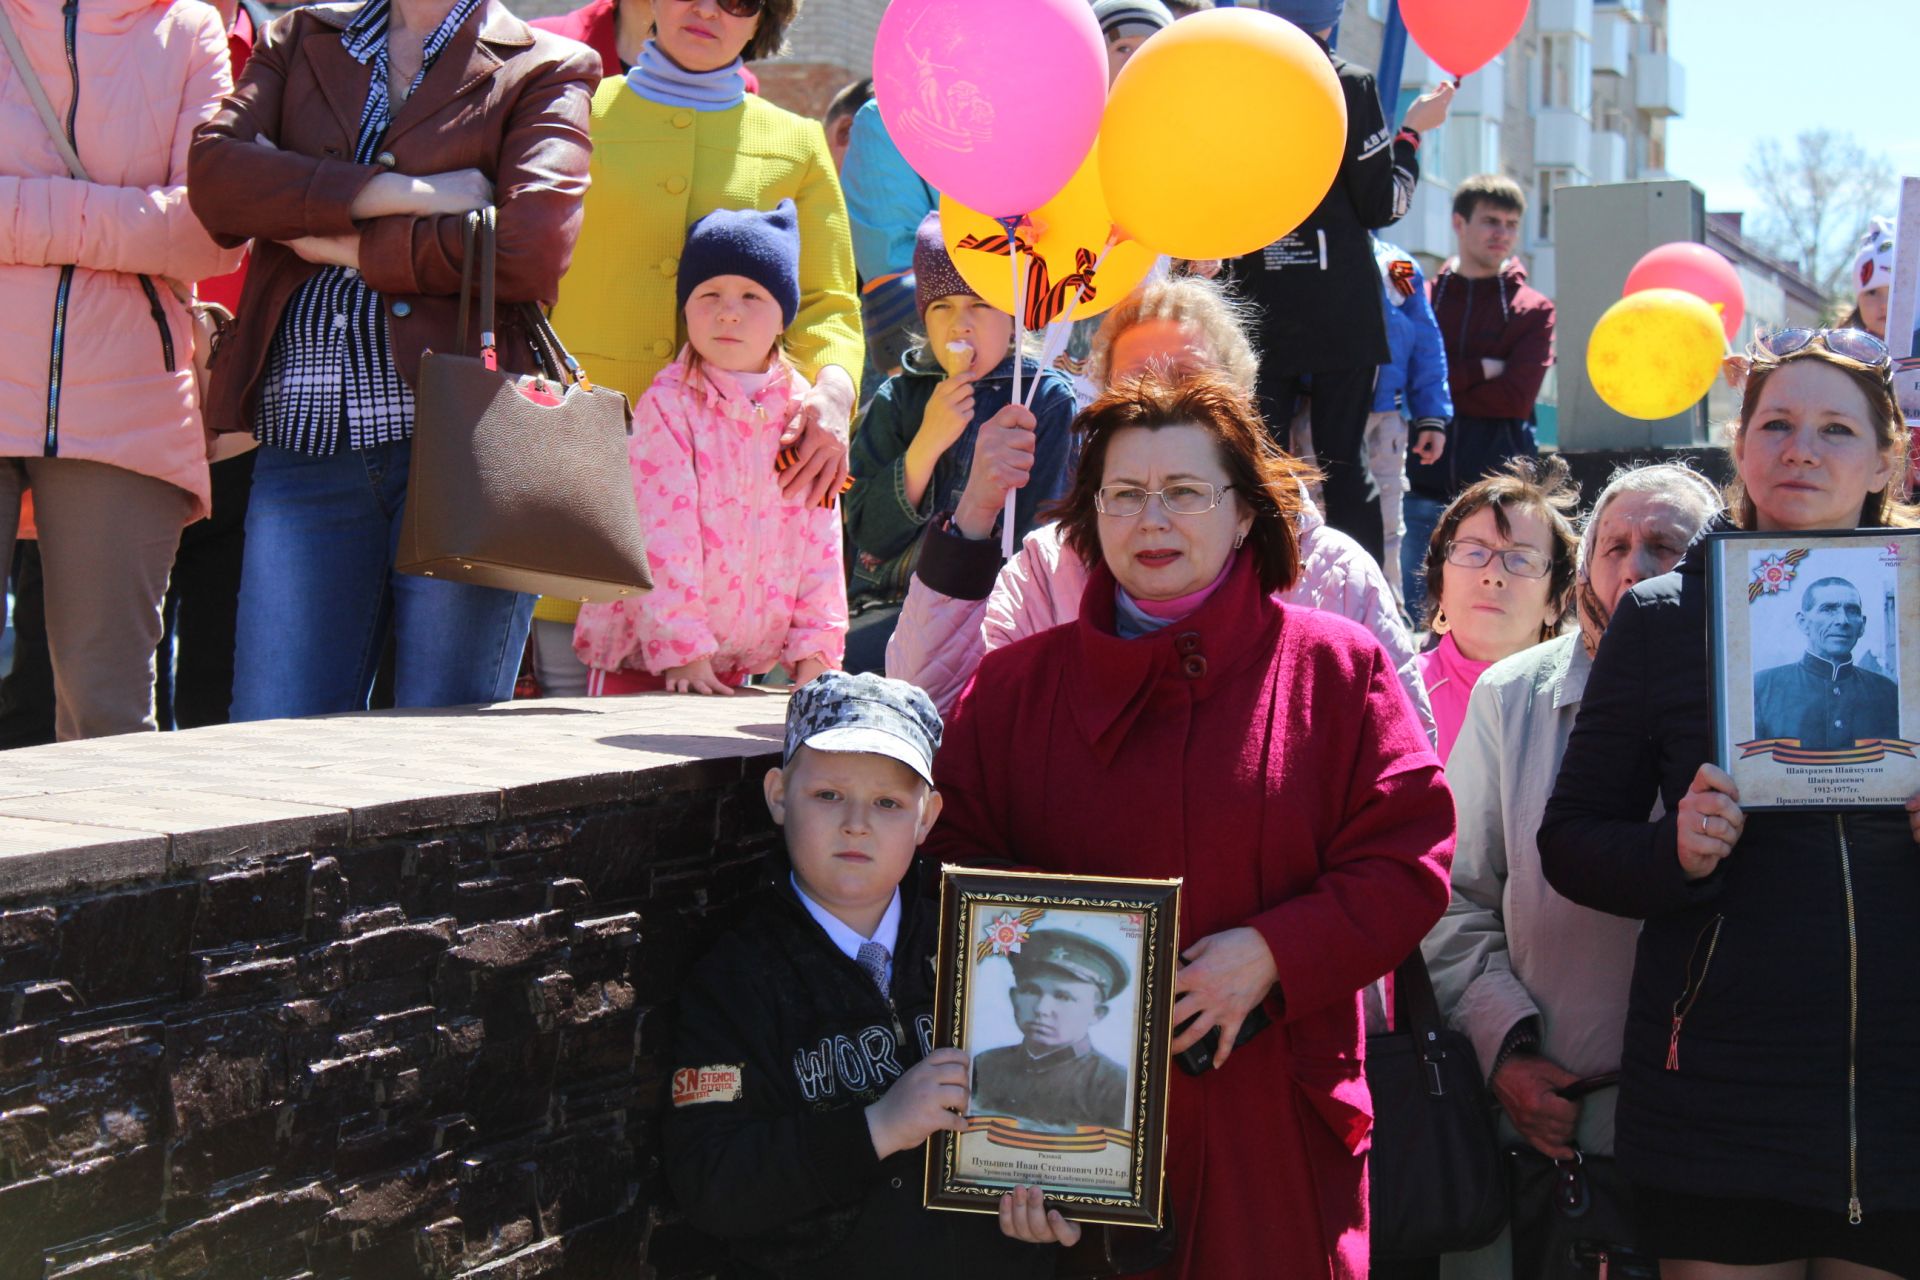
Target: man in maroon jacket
x: 1499, y: 339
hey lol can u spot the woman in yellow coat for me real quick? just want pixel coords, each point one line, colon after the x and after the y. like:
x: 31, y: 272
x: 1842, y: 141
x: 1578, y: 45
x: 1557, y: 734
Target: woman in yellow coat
x: 674, y: 139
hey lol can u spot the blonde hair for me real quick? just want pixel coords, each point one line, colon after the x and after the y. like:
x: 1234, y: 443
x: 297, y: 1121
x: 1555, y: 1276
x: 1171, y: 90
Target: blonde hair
x: 1219, y: 318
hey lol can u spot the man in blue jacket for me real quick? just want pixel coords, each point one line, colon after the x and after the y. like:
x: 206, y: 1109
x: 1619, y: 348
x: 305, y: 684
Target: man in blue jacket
x: 1411, y: 408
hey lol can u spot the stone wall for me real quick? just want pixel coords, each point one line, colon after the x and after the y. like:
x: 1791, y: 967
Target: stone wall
x: 366, y: 997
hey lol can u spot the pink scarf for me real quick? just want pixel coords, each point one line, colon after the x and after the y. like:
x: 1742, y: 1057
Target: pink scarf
x: 1449, y: 676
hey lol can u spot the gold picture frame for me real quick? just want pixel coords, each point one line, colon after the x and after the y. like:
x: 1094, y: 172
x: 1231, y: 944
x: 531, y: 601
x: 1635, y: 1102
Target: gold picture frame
x: 1060, y: 988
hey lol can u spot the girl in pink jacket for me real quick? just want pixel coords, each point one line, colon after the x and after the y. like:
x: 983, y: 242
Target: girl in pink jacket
x: 743, y: 577
x: 98, y: 410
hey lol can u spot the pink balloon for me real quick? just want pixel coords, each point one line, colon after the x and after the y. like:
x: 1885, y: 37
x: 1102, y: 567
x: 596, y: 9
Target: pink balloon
x: 994, y: 102
x: 1695, y: 269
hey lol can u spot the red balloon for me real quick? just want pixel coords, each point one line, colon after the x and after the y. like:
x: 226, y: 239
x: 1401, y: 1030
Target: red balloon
x: 1463, y: 36
x: 1695, y: 269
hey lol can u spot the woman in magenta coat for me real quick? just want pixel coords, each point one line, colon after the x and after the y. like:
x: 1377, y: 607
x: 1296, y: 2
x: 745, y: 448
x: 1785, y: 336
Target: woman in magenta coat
x: 1190, y: 725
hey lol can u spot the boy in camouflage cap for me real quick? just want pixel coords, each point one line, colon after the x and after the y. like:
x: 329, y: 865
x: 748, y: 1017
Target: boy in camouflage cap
x: 805, y: 1082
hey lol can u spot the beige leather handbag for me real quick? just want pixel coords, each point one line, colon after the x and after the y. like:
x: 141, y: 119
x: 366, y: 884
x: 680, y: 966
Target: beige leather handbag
x: 519, y: 483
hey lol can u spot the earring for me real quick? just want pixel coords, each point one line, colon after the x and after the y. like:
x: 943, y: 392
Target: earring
x: 1239, y: 540
x: 1440, y: 626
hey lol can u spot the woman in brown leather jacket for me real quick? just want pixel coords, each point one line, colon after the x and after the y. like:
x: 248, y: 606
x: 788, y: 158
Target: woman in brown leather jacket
x: 357, y: 140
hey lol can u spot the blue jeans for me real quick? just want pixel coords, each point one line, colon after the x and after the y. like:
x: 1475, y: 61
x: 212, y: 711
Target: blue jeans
x: 319, y: 596
x: 1422, y: 515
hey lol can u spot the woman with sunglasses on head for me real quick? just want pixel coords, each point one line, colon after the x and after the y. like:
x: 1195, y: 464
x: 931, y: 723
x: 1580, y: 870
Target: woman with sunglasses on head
x: 1188, y: 723
x: 1768, y: 1113
x: 674, y: 139
x: 1499, y: 579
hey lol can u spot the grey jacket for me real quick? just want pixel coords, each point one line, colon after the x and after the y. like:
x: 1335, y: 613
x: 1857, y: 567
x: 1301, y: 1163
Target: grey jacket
x: 1509, y: 947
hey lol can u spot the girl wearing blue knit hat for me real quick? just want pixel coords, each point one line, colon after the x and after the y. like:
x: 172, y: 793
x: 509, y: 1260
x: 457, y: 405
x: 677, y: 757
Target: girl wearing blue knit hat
x: 744, y: 576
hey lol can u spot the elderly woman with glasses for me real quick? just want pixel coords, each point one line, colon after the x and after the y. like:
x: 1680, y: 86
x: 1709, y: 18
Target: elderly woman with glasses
x: 1768, y: 1114
x: 1188, y: 723
x: 1499, y: 580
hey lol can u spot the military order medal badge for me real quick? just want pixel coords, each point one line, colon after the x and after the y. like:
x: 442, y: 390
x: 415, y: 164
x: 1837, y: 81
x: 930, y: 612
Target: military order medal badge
x: 1060, y: 988
x: 1813, y: 695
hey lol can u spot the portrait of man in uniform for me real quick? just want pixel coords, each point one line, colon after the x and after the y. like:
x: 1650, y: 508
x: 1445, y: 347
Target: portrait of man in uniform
x: 1824, y: 699
x: 1063, y: 983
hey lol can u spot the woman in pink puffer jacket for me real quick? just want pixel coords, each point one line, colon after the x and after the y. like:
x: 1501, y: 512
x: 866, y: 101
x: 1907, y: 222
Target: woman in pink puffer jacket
x: 964, y: 601
x: 98, y: 412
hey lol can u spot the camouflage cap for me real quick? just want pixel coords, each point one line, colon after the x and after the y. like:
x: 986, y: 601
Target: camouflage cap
x: 1074, y: 954
x: 868, y: 713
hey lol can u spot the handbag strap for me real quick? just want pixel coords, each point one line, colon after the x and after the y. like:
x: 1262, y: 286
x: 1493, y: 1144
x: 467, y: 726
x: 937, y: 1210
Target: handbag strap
x: 61, y: 143
x: 38, y: 93
x: 1415, y: 1007
x: 477, y: 242
x: 480, y: 254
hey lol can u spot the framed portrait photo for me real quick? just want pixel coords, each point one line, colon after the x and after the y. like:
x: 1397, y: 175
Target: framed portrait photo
x: 1060, y: 989
x: 1816, y: 700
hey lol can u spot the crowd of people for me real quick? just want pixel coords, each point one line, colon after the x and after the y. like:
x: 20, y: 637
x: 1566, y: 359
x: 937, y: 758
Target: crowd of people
x: 1297, y: 611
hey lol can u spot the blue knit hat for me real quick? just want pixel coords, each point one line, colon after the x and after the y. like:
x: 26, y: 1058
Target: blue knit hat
x: 1308, y: 15
x: 934, y: 275
x: 763, y: 247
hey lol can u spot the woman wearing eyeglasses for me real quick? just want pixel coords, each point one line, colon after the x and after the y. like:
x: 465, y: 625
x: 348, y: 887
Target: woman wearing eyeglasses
x: 965, y: 600
x: 1499, y: 580
x: 1188, y: 723
x: 674, y: 139
x: 1768, y: 1114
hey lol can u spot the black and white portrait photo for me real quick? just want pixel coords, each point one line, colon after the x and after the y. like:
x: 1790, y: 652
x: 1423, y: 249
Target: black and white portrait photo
x: 1064, y: 985
x: 1835, y: 693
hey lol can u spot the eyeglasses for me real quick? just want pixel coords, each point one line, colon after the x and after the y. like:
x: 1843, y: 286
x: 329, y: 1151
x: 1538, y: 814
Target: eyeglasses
x: 1190, y: 498
x: 1854, y: 344
x: 740, y: 8
x: 1519, y: 561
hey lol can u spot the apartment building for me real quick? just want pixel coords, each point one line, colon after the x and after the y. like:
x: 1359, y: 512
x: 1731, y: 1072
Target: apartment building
x: 1582, y: 96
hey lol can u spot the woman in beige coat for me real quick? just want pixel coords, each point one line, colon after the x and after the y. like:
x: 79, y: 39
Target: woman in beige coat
x: 1538, y: 983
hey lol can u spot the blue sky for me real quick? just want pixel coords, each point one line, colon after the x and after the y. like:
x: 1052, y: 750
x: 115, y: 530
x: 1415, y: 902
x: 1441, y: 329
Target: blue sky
x: 1760, y: 68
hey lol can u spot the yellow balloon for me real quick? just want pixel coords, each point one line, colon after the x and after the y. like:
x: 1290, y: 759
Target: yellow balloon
x: 1222, y: 134
x: 1655, y: 353
x: 1067, y: 233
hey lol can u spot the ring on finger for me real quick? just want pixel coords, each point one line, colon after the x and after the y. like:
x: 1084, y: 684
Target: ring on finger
x: 1703, y: 824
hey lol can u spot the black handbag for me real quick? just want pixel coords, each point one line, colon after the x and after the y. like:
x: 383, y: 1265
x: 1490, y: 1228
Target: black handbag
x: 1573, y: 1219
x: 1438, y: 1180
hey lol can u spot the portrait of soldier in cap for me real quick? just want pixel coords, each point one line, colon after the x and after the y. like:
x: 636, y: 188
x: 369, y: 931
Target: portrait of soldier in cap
x: 1062, y: 984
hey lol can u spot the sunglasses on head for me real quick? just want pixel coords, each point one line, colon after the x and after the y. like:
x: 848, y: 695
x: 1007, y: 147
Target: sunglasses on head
x: 1853, y: 344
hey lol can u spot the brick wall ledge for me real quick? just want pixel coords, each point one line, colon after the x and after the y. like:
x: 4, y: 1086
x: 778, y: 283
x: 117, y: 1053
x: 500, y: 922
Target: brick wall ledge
x: 364, y: 997
x: 92, y: 814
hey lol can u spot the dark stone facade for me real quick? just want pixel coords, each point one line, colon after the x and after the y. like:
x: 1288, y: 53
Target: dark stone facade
x: 431, y: 1054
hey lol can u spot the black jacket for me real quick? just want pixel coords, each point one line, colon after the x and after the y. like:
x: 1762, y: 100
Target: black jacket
x: 778, y: 1160
x: 1319, y: 289
x: 1737, y: 1047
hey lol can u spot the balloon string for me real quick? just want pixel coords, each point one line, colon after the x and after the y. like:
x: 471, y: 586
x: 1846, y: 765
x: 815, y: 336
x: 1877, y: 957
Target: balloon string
x: 1019, y: 339
x: 1060, y: 332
